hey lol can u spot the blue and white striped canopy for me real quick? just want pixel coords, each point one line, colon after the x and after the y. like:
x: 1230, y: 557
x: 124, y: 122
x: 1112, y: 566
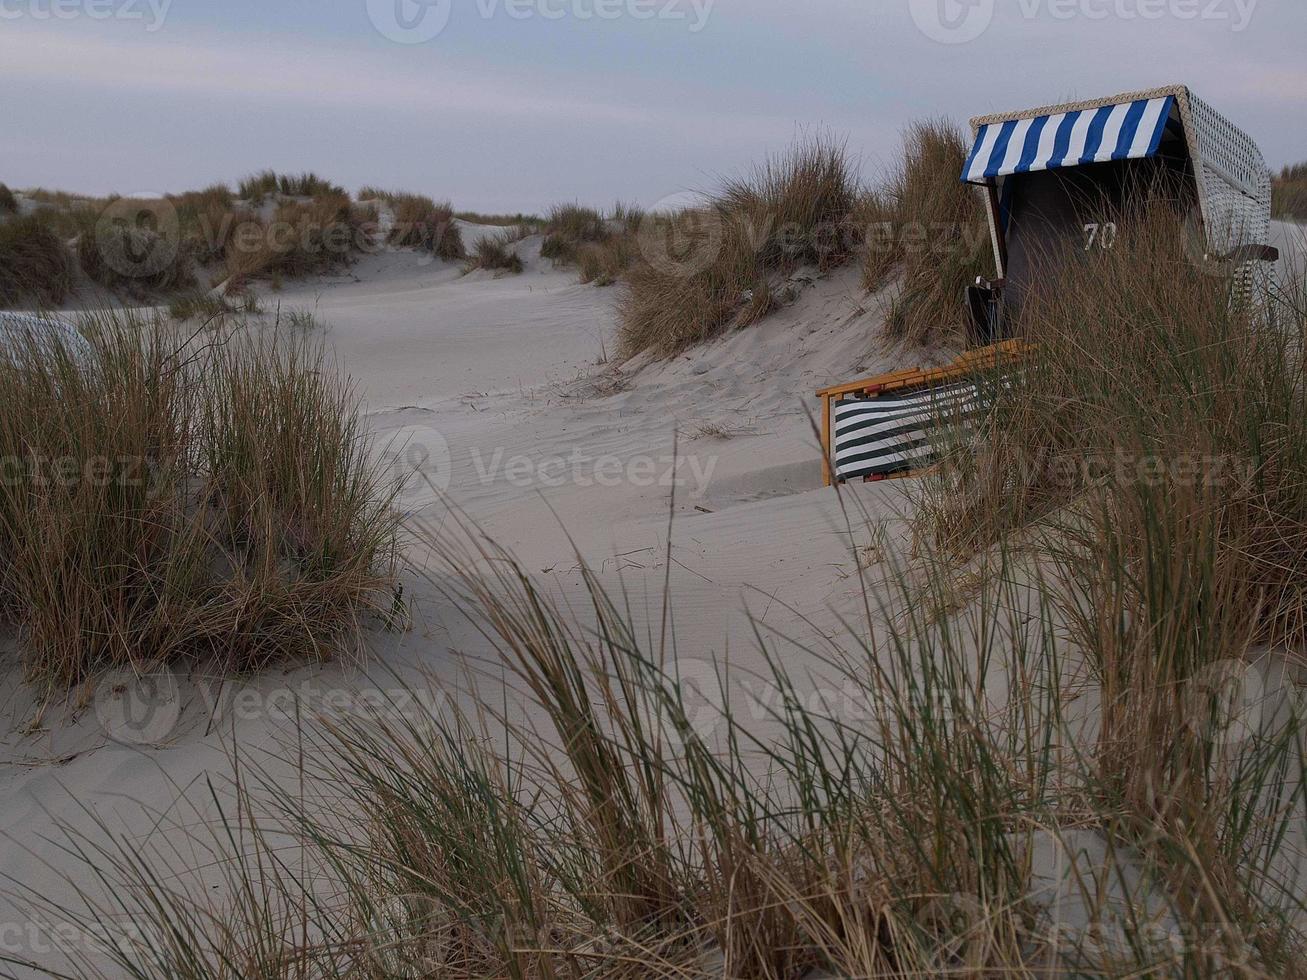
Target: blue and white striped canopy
x: 1124, y: 131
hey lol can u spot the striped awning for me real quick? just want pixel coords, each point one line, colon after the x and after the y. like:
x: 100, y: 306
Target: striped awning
x: 1121, y: 131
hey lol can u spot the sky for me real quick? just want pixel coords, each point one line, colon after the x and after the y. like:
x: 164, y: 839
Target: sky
x: 512, y: 105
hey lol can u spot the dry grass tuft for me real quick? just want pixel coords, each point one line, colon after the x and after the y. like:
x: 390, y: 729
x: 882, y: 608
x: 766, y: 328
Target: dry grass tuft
x: 268, y: 182
x: 216, y: 503
x: 422, y: 223
x: 931, y: 229
x: 134, y: 260
x: 493, y: 254
x: 36, y: 266
x: 704, y: 271
x: 1289, y: 194
x: 569, y: 227
x: 302, y: 239
x: 605, y: 263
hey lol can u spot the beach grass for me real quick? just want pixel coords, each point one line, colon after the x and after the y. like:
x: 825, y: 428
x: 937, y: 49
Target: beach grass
x: 209, y: 501
x: 1289, y: 193
x: 492, y: 253
x: 927, y: 230
x: 36, y: 267
x: 706, y: 270
x: 969, y: 818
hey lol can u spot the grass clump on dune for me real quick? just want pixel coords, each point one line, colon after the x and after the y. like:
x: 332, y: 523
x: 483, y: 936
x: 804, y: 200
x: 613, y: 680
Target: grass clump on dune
x: 269, y: 182
x: 303, y: 238
x: 929, y: 229
x: 492, y: 253
x: 208, y: 220
x: 420, y: 222
x: 1289, y: 193
x: 36, y: 267
x: 8, y: 203
x: 710, y: 269
x: 605, y: 263
x: 568, y: 228
x: 136, y: 260
x: 213, y: 503
x: 503, y: 220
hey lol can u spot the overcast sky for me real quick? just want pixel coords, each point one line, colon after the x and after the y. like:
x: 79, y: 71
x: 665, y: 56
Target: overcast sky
x: 514, y: 104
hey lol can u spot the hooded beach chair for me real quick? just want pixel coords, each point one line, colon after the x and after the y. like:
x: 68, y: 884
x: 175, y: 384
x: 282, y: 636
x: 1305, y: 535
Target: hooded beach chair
x: 1055, y: 178
x: 1063, y: 175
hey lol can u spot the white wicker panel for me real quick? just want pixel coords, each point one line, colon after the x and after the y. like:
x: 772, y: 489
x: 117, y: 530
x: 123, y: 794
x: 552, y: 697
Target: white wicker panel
x: 1234, y: 178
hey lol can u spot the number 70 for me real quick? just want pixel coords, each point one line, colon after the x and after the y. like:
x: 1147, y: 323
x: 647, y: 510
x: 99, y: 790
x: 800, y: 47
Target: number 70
x: 1103, y: 235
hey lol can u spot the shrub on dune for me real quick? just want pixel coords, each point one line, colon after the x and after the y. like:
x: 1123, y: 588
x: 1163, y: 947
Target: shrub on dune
x: 35, y: 265
x: 258, y: 185
x: 710, y: 279
x: 503, y: 220
x: 797, y: 205
x: 606, y: 262
x: 308, y: 185
x: 207, y: 219
x: 216, y: 503
x: 8, y: 203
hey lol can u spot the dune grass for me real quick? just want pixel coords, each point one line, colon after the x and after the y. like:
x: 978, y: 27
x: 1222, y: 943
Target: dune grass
x: 167, y: 501
x: 208, y: 220
x: 267, y: 182
x: 1289, y: 193
x: 708, y: 270
x: 568, y: 228
x: 492, y: 253
x: 36, y: 267
x: 625, y: 833
x: 503, y: 220
x: 303, y: 238
x: 212, y: 309
x: 423, y: 223
x: 929, y: 230
x: 138, y: 261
